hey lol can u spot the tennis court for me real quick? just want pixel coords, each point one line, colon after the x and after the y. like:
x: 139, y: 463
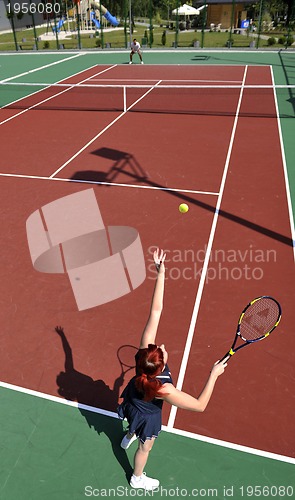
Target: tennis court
x: 215, y: 131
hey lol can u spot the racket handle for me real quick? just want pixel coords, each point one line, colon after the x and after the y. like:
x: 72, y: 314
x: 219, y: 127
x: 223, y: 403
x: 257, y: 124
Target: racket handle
x: 225, y: 358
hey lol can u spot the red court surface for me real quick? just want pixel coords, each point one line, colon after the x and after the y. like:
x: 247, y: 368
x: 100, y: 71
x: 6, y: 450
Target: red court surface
x: 229, y: 161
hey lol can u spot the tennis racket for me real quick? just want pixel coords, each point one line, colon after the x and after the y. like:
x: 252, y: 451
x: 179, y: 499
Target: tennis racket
x: 126, y: 357
x: 259, y: 318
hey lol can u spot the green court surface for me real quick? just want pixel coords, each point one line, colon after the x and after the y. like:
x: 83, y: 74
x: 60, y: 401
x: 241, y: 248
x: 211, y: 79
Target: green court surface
x: 55, y: 451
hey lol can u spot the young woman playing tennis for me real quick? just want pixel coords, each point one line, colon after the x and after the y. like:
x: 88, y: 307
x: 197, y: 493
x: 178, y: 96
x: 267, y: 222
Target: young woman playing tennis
x: 152, y: 385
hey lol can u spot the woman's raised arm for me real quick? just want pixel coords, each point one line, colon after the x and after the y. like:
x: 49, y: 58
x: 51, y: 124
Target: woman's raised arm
x: 150, y: 330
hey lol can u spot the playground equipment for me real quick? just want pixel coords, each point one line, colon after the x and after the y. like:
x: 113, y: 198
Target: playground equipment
x: 98, y: 7
x: 92, y: 12
x: 94, y: 20
x: 59, y: 25
x: 83, y: 16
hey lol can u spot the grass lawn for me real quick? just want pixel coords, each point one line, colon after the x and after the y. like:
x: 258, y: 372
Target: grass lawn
x: 117, y: 39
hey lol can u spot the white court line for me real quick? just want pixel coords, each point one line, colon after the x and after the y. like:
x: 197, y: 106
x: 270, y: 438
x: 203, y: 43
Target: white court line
x: 168, y: 80
x: 41, y: 67
x: 69, y: 87
x: 37, y: 91
x: 104, y: 183
x: 190, y: 335
x: 179, y: 432
x: 102, y: 131
x: 288, y: 194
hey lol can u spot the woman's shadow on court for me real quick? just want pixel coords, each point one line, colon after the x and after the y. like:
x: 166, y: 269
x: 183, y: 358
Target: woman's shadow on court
x: 76, y: 386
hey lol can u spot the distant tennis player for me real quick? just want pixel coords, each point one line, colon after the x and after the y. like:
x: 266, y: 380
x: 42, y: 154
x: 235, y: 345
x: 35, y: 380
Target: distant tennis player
x: 144, y: 395
x: 135, y: 49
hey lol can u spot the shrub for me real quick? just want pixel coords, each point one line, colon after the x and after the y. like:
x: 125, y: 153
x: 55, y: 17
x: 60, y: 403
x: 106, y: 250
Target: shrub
x: 286, y: 40
x: 229, y: 43
x: 271, y: 41
x: 46, y: 45
x: 151, y: 37
x: 158, y: 19
x: 290, y: 40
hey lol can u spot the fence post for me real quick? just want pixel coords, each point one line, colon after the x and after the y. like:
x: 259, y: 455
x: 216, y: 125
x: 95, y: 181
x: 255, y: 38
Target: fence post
x: 101, y: 26
x: 151, y: 37
x: 290, y: 21
x: 125, y: 23
x: 34, y: 27
x: 204, y: 23
x: 232, y: 24
x: 10, y: 15
x: 177, y: 25
x: 259, y: 24
x: 55, y: 26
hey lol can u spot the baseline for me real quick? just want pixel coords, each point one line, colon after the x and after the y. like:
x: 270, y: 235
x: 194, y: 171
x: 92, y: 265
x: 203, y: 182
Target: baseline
x: 116, y: 184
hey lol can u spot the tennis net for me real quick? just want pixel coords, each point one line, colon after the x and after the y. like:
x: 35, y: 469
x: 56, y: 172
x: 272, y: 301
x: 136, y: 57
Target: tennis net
x: 217, y: 100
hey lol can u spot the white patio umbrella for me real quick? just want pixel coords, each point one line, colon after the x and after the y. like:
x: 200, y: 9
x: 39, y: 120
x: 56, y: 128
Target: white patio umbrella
x: 186, y: 10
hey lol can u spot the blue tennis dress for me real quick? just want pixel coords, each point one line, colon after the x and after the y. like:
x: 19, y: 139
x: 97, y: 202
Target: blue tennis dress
x: 144, y: 417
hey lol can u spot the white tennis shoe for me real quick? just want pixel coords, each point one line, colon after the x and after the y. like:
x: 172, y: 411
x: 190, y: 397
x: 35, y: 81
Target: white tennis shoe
x: 125, y: 443
x: 144, y: 482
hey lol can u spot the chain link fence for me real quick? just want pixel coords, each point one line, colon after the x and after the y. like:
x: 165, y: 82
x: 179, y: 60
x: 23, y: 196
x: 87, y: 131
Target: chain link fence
x: 88, y: 24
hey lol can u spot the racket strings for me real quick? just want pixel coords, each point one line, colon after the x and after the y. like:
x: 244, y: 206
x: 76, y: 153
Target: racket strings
x: 259, y: 319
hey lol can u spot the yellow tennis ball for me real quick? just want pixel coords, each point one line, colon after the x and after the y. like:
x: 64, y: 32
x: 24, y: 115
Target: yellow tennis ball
x: 183, y: 208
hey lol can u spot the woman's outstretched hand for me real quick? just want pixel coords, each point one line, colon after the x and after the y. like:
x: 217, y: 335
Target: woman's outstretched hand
x: 159, y: 258
x: 218, y: 368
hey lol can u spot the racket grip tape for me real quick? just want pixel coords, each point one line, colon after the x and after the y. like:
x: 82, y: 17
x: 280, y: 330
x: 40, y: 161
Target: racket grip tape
x: 227, y: 356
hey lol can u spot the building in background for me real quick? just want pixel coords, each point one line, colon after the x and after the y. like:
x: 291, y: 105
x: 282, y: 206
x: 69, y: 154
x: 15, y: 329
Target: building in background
x: 20, y: 19
x: 219, y: 13
x: 4, y: 21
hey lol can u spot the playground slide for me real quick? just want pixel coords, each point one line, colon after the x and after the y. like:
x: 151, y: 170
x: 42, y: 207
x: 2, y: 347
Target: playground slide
x: 59, y: 25
x: 94, y: 20
x: 99, y: 7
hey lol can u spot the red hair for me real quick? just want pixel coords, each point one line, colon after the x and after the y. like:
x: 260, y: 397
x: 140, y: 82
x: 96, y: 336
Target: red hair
x: 149, y: 364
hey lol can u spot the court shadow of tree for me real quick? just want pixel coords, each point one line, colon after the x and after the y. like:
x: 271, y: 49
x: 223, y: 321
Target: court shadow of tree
x: 76, y: 386
x: 91, y: 176
x: 126, y: 164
